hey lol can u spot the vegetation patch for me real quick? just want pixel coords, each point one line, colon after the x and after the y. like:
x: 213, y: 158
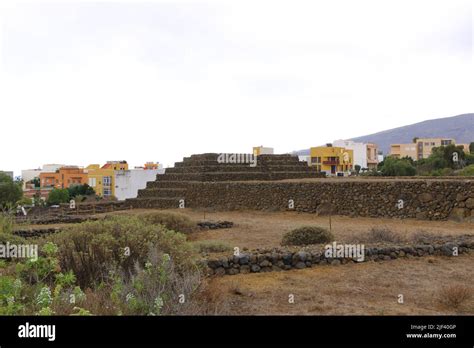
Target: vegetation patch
x: 307, y: 235
x: 382, y: 235
x: 171, y: 220
x: 454, y: 296
x: 119, y: 265
x: 212, y: 246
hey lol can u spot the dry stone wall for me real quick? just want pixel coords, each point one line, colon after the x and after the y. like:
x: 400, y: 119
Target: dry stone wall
x: 421, y: 199
x: 282, y: 259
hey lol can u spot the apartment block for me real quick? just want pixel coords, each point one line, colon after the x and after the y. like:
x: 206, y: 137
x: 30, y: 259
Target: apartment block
x: 63, y: 177
x: 422, y: 148
x: 403, y: 150
x: 332, y: 160
x: 102, y: 178
x: 365, y: 154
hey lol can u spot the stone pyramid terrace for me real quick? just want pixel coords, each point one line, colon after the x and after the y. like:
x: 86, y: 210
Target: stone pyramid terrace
x: 171, y: 187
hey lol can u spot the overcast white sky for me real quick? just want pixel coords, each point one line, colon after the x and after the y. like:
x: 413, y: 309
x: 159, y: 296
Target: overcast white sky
x: 84, y: 82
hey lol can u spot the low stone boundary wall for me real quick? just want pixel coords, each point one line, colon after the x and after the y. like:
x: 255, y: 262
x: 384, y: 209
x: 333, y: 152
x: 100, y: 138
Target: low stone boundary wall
x: 283, y: 259
x: 421, y: 199
x: 38, y: 232
x: 62, y: 219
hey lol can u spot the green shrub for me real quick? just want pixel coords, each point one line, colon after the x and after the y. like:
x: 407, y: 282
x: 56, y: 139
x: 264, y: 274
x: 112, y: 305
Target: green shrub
x: 171, y: 220
x: 10, y: 292
x: 161, y: 266
x: 467, y: 171
x: 10, y: 191
x: 95, y: 248
x: 397, y: 167
x: 58, y: 196
x: 442, y: 172
x: 11, y: 238
x: 211, y: 246
x: 157, y: 288
x: 6, y: 223
x: 307, y: 235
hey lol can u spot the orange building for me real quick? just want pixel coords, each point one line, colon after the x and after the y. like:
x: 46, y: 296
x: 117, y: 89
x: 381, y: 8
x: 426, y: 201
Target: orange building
x: 152, y: 165
x: 63, y: 177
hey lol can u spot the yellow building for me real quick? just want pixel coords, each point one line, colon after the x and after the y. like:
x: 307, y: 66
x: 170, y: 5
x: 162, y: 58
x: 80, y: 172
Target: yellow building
x: 332, y: 160
x: 422, y: 148
x: 403, y: 150
x: 102, y: 179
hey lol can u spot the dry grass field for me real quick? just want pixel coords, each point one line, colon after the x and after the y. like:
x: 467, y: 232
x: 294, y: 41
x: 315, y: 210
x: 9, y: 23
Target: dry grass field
x: 256, y: 229
x: 431, y: 285
x: 370, y: 288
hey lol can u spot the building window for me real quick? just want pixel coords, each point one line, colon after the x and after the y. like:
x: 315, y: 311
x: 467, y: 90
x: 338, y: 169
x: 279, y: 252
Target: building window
x: 107, y: 180
x: 92, y: 182
x: 107, y: 192
x: 445, y: 142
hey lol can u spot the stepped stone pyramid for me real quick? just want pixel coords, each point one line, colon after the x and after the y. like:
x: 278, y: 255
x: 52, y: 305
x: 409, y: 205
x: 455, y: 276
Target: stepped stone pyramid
x: 170, y: 188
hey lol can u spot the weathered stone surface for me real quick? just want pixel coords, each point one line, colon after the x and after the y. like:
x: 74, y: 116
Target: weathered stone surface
x: 458, y: 214
x: 470, y: 203
x: 255, y: 268
x: 244, y: 269
x: 219, y: 271
x: 425, y: 197
x: 244, y: 259
x: 300, y: 265
x: 232, y: 271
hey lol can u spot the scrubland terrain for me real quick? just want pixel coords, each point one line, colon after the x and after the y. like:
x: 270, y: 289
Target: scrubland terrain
x: 358, y: 289
x: 431, y: 285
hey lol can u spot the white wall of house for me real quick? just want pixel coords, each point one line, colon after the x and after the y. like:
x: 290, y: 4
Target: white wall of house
x: 360, y: 151
x: 30, y: 174
x: 128, y: 182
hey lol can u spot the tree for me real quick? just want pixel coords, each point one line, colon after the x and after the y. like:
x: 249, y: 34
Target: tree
x: 471, y: 147
x: 36, y: 182
x: 357, y: 168
x: 397, y: 167
x: 446, y: 153
x: 10, y: 191
x: 80, y: 190
x: 415, y: 139
x: 58, y: 196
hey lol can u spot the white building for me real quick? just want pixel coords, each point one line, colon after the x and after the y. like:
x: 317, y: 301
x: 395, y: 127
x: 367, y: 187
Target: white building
x: 260, y: 150
x: 128, y: 182
x: 365, y: 154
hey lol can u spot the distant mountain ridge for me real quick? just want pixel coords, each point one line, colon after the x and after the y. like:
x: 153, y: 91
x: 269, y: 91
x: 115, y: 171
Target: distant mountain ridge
x: 460, y: 128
